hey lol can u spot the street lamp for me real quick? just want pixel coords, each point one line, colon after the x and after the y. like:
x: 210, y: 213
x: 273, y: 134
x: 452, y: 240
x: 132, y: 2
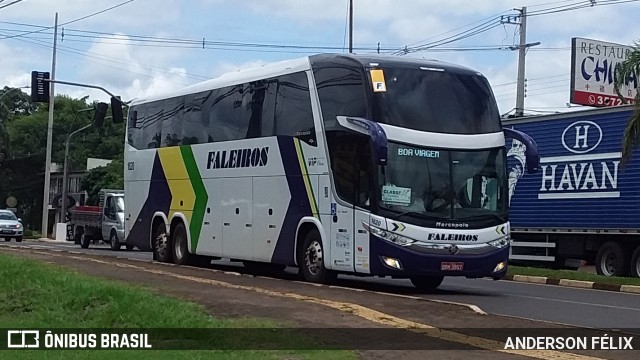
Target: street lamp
x: 98, y: 118
x: 12, y: 89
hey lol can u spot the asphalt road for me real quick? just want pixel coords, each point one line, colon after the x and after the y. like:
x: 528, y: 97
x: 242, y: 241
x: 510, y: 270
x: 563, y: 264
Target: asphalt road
x: 569, y: 306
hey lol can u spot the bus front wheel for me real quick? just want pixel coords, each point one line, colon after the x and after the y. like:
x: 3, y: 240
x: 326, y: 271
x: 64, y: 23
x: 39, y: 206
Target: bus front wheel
x: 312, y: 260
x: 427, y: 283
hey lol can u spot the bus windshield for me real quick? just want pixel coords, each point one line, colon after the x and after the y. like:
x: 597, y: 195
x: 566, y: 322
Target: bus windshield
x: 436, y: 101
x: 435, y: 184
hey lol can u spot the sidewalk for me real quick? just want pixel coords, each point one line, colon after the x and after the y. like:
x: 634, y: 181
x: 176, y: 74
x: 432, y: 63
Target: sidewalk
x: 47, y: 240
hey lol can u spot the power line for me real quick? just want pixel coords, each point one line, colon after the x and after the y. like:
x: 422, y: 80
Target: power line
x: 98, y: 12
x: 9, y: 4
x: 578, y: 5
x: 461, y: 27
x: 68, y: 22
x: 483, y: 27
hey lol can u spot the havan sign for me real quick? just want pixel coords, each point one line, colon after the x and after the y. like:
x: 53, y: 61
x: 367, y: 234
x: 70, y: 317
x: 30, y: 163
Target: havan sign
x: 583, y: 174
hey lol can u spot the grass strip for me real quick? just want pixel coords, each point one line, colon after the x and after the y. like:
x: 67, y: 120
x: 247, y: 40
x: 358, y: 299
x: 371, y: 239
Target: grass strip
x: 37, y: 295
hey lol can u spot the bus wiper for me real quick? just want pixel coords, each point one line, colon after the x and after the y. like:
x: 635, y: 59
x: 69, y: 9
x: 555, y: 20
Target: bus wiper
x: 411, y: 213
x: 475, y: 217
x: 418, y: 215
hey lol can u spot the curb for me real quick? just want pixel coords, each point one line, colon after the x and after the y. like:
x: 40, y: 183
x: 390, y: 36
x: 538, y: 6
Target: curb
x: 633, y: 289
x: 46, y: 240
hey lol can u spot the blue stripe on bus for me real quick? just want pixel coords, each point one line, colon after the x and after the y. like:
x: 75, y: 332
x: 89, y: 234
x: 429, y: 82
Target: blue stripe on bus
x: 298, y: 205
x: 158, y: 199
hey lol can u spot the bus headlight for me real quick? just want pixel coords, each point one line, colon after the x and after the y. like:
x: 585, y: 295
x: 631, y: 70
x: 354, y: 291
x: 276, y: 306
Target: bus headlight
x: 389, y: 236
x: 500, y: 243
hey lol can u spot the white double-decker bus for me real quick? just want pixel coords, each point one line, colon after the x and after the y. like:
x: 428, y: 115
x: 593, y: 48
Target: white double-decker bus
x: 368, y: 165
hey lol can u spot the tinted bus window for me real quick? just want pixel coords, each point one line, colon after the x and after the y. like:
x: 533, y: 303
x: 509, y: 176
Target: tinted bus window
x: 436, y: 101
x: 227, y: 120
x: 195, y: 123
x: 342, y: 93
x: 151, y: 126
x: 293, y: 114
x: 172, y: 119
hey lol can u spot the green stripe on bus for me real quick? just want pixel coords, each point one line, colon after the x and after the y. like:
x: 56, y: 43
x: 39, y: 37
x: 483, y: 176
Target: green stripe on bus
x: 200, y: 204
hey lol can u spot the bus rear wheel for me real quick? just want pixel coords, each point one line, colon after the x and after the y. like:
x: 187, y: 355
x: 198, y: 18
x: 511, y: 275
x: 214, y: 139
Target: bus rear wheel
x: 161, y: 251
x: 426, y: 283
x: 180, y: 247
x: 312, y: 260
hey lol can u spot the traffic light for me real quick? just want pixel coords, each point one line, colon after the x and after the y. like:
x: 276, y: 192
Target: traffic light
x: 39, y: 87
x: 116, y: 110
x: 100, y: 113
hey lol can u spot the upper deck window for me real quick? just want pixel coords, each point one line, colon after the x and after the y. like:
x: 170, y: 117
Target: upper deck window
x: 435, y: 101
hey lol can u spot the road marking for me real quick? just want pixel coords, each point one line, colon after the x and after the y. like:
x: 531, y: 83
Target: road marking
x: 576, y: 302
x: 357, y: 310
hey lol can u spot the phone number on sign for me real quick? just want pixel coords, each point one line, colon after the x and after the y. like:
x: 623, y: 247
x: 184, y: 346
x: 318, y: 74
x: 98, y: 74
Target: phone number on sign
x: 589, y: 99
x: 606, y: 100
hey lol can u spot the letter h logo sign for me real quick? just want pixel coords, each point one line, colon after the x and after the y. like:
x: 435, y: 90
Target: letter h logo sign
x: 582, y: 136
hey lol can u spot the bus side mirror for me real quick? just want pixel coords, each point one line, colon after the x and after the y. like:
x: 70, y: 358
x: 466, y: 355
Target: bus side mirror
x: 530, y: 151
x: 378, y: 137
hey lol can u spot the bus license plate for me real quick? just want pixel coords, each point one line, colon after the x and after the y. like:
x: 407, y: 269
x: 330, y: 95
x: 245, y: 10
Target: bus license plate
x: 451, y: 266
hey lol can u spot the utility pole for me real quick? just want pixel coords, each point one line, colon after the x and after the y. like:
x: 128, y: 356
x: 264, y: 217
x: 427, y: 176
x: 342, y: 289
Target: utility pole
x: 350, y: 26
x: 47, y: 165
x: 522, y: 52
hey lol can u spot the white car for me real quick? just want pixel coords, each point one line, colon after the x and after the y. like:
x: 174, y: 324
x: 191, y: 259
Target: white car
x: 10, y: 226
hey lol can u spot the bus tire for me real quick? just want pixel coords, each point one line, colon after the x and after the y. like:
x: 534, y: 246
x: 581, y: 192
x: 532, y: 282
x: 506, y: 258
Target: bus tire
x: 635, y: 263
x: 611, y: 260
x: 113, y: 241
x: 179, y: 246
x: 312, y: 260
x: 161, y: 249
x: 426, y: 283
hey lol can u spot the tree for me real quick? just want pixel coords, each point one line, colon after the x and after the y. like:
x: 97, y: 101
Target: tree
x: 25, y: 141
x: 110, y: 176
x: 627, y: 73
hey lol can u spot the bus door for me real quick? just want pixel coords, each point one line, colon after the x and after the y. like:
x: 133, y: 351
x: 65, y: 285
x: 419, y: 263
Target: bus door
x: 352, y: 171
x: 341, y: 233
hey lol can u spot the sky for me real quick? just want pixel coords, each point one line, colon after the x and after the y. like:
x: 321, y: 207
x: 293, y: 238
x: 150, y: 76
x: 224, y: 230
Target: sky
x: 139, y: 48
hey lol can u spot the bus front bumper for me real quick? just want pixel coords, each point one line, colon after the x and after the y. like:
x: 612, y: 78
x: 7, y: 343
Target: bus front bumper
x: 389, y: 259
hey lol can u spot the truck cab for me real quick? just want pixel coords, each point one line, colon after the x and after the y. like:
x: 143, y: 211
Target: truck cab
x: 112, y: 217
